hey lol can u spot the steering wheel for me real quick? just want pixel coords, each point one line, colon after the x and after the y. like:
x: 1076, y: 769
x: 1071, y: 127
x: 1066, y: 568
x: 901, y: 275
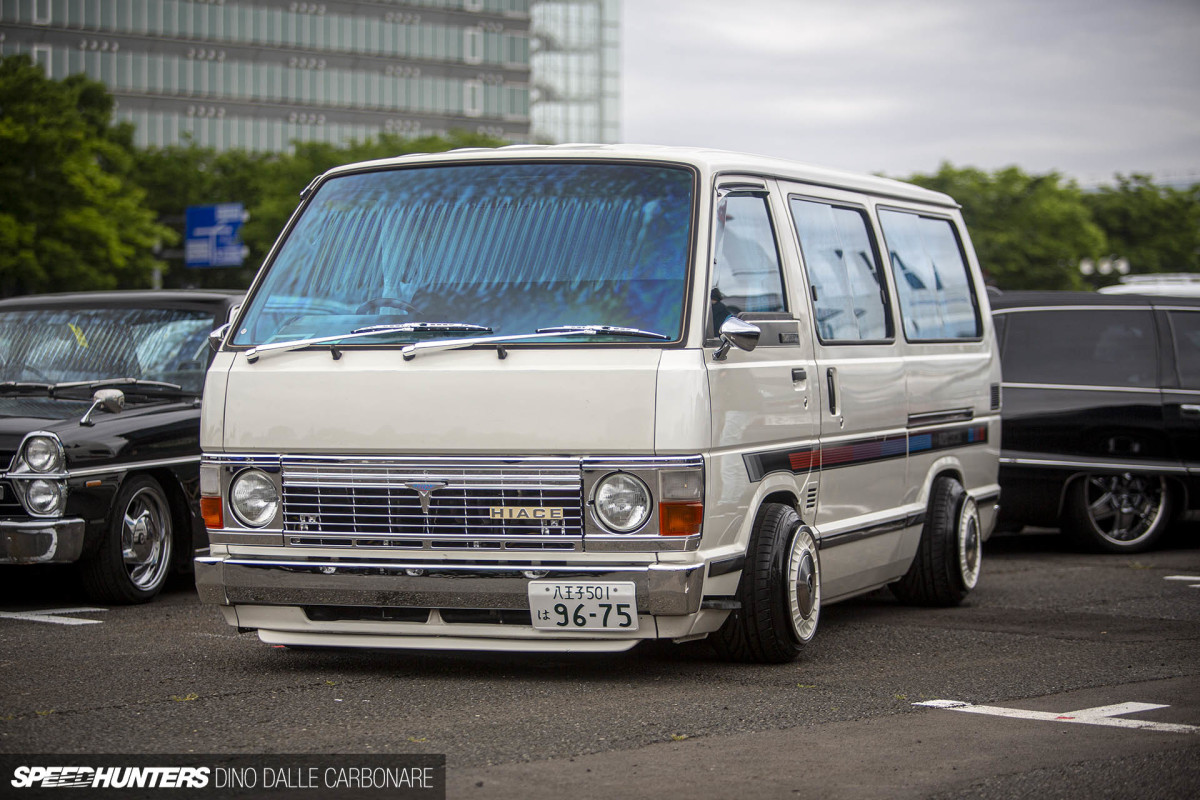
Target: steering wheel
x: 37, y: 373
x: 376, y: 303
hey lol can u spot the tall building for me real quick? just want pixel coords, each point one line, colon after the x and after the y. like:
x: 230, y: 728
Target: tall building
x: 258, y: 74
x: 576, y: 71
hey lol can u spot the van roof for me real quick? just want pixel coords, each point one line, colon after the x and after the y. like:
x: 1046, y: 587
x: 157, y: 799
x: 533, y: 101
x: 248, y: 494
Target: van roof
x: 706, y: 160
x: 1007, y: 301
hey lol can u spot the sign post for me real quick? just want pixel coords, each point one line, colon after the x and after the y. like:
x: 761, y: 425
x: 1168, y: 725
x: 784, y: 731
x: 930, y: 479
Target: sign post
x: 213, y: 236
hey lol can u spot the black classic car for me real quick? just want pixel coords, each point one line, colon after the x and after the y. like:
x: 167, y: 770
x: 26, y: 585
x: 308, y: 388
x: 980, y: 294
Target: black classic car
x: 1101, y: 414
x: 100, y: 433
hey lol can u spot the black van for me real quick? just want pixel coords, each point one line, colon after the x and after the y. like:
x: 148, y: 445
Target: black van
x: 1101, y: 414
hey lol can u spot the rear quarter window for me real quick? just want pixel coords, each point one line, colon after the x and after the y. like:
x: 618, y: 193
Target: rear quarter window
x: 1080, y: 348
x: 933, y: 282
x: 1186, y: 327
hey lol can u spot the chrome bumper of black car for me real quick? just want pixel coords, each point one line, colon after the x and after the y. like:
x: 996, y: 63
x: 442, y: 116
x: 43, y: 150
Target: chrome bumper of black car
x: 41, y: 541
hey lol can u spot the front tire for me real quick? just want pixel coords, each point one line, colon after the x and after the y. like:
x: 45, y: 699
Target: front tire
x: 779, y: 593
x: 1125, y: 513
x: 946, y: 567
x: 135, y: 555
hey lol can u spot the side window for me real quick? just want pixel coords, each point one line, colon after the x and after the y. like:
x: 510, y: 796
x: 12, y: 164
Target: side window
x: 843, y: 275
x: 1082, y: 348
x: 937, y: 300
x: 1186, y: 327
x: 746, y: 275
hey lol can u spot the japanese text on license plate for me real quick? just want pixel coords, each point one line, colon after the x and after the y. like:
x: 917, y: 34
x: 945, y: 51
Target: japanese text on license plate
x: 583, y: 605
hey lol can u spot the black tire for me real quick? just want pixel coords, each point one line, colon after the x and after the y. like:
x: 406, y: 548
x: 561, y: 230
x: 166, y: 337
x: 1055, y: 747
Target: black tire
x: 779, y: 593
x: 946, y: 567
x: 134, y: 558
x: 1125, y: 513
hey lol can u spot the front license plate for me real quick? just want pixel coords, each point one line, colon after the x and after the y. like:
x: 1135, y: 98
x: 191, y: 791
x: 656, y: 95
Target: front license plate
x: 583, y: 605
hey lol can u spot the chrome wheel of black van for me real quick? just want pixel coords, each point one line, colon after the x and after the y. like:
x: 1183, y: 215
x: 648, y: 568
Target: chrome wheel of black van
x: 1123, y: 513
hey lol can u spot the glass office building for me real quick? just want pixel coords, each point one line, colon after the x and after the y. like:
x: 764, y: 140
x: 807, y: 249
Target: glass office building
x: 258, y: 74
x: 576, y: 70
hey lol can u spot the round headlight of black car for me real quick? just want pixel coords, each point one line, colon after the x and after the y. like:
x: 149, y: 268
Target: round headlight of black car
x: 45, y: 498
x: 43, y: 454
x: 253, y: 498
x: 622, y: 502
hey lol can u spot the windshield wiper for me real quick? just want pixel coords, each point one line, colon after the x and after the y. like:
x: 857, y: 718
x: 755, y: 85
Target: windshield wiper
x: 24, y: 387
x: 604, y: 330
x: 410, y: 351
x: 253, y: 353
x: 128, y: 385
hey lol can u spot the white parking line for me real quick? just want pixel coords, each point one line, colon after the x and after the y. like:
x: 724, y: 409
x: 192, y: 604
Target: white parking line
x: 1101, y: 715
x: 1185, y: 578
x: 53, y: 615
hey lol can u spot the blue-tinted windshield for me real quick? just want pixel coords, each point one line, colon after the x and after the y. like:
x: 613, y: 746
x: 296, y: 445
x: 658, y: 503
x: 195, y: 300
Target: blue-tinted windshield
x: 512, y: 247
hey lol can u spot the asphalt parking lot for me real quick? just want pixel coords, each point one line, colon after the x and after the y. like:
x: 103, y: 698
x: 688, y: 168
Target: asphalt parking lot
x: 1063, y: 675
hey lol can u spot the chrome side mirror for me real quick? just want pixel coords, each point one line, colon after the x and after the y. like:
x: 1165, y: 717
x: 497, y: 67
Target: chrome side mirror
x: 111, y: 400
x: 737, y: 333
x: 217, y: 337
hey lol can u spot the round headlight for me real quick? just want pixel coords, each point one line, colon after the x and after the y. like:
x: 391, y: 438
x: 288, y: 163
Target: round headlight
x: 622, y: 502
x: 44, y: 497
x: 253, y: 498
x: 43, y: 454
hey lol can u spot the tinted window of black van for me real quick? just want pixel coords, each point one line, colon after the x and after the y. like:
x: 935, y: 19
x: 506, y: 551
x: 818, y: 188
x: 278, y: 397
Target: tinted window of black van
x: 1186, y: 326
x: 1084, y: 347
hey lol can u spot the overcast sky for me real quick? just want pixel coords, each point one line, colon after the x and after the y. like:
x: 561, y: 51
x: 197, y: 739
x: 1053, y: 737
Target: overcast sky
x: 1088, y: 88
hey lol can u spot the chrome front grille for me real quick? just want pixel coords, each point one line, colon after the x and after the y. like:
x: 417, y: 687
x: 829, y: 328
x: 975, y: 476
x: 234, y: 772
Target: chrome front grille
x: 416, y: 505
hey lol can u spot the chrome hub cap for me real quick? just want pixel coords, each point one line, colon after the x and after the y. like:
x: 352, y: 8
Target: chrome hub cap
x: 804, y: 581
x: 145, y: 539
x: 970, y: 544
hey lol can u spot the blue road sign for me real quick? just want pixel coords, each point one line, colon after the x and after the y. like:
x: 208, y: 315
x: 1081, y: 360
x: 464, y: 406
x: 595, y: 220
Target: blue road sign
x: 213, y: 236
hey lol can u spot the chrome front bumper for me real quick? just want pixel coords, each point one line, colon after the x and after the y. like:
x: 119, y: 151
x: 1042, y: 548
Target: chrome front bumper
x: 662, y: 589
x: 41, y: 541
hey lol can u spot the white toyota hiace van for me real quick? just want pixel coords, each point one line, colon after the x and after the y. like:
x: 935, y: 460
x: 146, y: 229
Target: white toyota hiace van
x: 569, y: 398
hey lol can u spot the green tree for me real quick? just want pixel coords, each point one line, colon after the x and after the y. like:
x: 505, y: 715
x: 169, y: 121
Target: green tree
x: 1155, y: 228
x: 1029, y: 231
x: 187, y: 174
x: 70, y: 218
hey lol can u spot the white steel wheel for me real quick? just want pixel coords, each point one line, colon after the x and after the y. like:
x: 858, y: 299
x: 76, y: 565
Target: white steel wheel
x: 970, y: 544
x: 804, y: 580
x: 946, y: 566
x: 779, y: 595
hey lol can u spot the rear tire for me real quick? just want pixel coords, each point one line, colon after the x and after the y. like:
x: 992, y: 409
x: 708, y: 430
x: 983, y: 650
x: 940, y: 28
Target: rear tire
x: 779, y: 593
x: 134, y: 558
x: 1125, y: 513
x: 946, y: 567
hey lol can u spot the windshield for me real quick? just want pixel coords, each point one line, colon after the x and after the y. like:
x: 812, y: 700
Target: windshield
x: 508, y: 247
x: 61, y: 345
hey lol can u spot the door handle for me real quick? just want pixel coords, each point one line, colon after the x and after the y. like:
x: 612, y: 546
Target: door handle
x: 1189, y: 410
x: 799, y: 374
x: 831, y: 383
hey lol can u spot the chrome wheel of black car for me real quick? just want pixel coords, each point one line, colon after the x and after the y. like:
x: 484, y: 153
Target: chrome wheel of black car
x: 1122, y: 513
x: 135, y: 556
x: 146, y: 538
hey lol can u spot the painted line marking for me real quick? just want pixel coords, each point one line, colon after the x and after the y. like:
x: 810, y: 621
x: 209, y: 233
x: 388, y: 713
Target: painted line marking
x: 53, y: 615
x: 1185, y: 578
x: 1101, y: 715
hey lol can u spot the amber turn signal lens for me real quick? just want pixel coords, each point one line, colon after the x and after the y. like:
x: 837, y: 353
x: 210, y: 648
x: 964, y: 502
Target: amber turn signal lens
x: 210, y: 509
x: 680, y: 519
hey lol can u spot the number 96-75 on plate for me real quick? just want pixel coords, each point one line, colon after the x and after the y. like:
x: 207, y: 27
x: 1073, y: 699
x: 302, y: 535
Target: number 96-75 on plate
x: 583, y: 605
